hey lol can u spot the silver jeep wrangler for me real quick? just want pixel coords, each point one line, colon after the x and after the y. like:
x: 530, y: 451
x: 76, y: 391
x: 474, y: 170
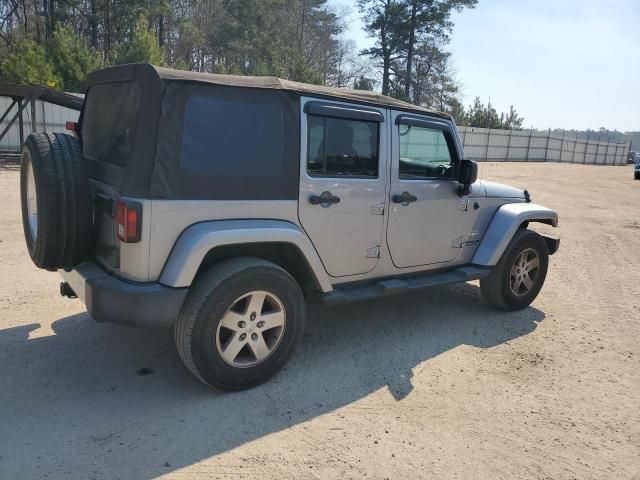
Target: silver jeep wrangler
x: 220, y: 205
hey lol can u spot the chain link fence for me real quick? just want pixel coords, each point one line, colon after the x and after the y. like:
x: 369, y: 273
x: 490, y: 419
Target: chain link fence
x: 484, y: 144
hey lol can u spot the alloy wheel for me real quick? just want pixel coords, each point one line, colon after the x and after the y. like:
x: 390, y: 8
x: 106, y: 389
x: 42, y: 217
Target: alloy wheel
x: 524, y: 272
x: 251, y: 329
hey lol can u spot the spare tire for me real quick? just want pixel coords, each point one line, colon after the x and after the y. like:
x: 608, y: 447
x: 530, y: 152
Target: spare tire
x: 56, y: 200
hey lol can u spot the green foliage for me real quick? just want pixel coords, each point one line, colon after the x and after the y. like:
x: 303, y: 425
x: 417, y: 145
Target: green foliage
x: 304, y: 73
x: 180, y: 64
x: 363, y: 83
x: 410, y: 36
x: 479, y: 115
x: 143, y: 47
x: 457, y: 111
x: 301, y: 40
x: 384, y: 20
x: 26, y: 62
x: 284, y: 38
x: 72, y: 59
x: 511, y: 120
x: 293, y: 39
x: 191, y: 38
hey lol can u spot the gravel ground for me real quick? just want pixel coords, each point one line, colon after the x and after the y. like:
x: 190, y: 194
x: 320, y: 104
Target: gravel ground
x: 432, y: 385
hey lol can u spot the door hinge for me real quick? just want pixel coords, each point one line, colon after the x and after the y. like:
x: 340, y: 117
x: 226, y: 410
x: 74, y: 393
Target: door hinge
x: 373, y: 252
x: 463, y: 204
x: 471, y: 243
x: 377, y: 209
x: 466, y: 240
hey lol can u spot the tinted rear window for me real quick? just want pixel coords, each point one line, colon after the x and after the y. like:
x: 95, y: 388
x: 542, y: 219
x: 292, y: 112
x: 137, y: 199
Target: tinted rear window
x: 108, y: 122
x: 232, y: 139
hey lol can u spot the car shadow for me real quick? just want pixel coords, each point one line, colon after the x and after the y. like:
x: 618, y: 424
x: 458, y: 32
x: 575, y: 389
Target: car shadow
x: 81, y: 402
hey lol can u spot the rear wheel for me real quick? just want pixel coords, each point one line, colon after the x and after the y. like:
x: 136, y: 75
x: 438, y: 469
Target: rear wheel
x: 240, y: 323
x: 519, y: 275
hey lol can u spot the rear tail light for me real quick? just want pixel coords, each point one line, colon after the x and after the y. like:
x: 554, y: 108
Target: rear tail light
x: 129, y: 220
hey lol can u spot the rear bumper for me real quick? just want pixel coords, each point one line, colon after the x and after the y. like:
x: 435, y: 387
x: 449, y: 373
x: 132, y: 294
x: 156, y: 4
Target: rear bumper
x: 111, y: 300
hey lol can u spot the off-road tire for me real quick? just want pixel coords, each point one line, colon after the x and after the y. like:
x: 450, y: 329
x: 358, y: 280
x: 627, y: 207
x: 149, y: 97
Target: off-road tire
x: 63, y: 200
x: 496, y: 287
x: 211, y: 294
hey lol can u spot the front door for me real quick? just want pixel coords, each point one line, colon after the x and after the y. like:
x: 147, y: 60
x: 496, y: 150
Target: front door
x: 342, y: 183
x: 427, y: 218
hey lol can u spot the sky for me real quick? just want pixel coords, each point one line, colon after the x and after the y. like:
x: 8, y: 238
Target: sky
x: 572, y: 64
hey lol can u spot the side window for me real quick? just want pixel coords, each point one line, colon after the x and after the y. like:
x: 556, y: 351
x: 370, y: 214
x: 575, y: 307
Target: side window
x: 424, y: 153
x: 232, y: 139
x: 341, y: 147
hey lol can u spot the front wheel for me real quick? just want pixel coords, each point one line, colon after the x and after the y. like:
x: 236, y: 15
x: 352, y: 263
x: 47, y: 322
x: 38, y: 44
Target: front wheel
x: 240, y: 323
x: 518, y: 277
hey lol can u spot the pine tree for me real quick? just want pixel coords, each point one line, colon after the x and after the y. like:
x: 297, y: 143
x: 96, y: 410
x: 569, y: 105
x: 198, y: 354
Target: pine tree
x: 72, y: 59
x: 405, y: 31
x: 26, y: 62
x: 458, y: 112
x: 384, y: 21
x: 511, y: 120
x: 363, y: 83
x: 143, y: 47
x: 487, y: 117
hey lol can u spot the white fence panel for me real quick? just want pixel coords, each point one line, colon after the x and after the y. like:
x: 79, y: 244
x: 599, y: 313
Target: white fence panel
x: 483, y: 144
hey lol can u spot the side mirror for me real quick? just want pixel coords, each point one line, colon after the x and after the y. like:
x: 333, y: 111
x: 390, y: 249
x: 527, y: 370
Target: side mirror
x: 467, y: 175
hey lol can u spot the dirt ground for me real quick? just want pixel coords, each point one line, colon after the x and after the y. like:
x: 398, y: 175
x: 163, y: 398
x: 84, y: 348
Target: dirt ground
x: 433, y: 385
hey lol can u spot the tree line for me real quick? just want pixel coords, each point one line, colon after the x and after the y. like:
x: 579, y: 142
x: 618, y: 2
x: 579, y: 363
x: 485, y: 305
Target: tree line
x: 602, y: 134
x: 58, y: 42
x: 485, y: 116
x: 62, y: 40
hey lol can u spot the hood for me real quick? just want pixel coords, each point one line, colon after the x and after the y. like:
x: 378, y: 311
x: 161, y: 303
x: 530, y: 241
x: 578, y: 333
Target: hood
x: 499, y: 190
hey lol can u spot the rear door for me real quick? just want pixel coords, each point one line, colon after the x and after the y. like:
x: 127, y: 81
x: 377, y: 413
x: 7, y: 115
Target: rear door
x: 427, y: 217
x: 343, y: 183
x: 108, y: 124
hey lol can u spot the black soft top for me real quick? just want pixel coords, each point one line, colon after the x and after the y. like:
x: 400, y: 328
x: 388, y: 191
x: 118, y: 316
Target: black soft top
x: 151, y: 167
x: 150, y: 76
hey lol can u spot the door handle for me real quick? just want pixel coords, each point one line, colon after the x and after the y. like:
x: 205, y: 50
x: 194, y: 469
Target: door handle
x: 405, y: 199
x: 325, y: 199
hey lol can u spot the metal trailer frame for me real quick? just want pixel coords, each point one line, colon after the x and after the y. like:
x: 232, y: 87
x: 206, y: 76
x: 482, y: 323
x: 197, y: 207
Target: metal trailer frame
x: 23, y: 95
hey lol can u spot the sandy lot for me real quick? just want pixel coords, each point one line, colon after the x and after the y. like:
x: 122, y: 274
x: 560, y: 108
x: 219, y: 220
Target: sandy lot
x: 436, y: 385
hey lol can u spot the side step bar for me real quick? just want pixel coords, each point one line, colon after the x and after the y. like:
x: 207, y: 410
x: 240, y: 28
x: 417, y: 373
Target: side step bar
x: 394, y: 286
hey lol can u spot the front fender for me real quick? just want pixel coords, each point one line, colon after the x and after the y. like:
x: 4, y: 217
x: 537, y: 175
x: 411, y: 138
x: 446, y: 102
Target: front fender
x: 506, y: 221
x: 199, y: 239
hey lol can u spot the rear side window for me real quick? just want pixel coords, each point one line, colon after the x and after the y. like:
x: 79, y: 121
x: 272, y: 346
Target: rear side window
x: 232, y: 139
x: 109, y: 120
x: 341, y: 147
